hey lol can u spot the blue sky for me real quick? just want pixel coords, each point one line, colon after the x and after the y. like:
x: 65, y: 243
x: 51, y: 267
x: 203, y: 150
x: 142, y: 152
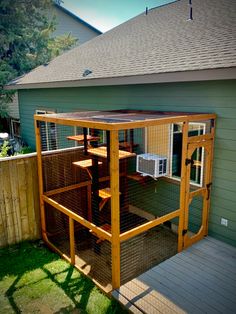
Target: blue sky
x: 106, y: 14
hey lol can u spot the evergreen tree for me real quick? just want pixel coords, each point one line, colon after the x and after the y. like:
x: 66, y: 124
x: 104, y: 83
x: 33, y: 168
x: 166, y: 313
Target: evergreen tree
x: 26, y: 40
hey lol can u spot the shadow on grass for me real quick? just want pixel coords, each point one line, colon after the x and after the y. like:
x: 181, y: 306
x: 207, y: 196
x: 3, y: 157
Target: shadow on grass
x: 27, y: 257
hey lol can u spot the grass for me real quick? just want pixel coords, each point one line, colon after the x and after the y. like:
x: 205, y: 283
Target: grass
x: 35, y: 280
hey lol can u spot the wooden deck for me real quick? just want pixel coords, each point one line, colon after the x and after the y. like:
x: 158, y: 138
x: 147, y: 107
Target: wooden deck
x: 201, y: 279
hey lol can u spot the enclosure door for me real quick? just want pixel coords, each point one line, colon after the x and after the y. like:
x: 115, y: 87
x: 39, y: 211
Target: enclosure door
x: 198, y: 187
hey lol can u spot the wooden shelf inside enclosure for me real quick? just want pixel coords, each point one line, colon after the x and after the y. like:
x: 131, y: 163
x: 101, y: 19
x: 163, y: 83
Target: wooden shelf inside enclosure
x: 136, y: 177
x: 102, y: 152
x: 127, y: 145
x: 85, y: 163
x: 80, y: 138
x: 105, y: 195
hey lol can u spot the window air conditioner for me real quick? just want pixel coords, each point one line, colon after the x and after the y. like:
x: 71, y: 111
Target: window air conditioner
x: 151, y: 165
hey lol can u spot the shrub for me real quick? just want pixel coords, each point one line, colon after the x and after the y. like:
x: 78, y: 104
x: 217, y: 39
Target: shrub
x: 5, y: 149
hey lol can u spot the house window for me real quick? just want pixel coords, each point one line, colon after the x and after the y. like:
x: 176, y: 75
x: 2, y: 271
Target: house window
x: 196, y: 174
x: 15, y: 128
x: 48, y: 133
x: 100, y: 133
x: 166, y: 141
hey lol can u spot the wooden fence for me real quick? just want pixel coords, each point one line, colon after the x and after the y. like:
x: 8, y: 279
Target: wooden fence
x: 19, y: 199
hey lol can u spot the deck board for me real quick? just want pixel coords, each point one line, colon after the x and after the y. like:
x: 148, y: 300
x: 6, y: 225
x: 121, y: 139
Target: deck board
x: 214, y: 283
x: 201, y: 279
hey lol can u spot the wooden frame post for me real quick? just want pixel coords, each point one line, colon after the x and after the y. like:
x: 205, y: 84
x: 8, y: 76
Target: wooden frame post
x: 209, y: 175
x: 115, y: 208
x: 72, y: 241
x: 183, y: 186
x: 40, y: 179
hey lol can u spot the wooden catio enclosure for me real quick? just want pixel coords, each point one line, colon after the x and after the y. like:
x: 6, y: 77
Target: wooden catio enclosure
x: 121, y: 191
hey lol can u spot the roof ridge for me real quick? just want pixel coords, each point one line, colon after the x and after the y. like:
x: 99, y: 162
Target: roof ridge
x: 163, y: 5
x: 65, y: 10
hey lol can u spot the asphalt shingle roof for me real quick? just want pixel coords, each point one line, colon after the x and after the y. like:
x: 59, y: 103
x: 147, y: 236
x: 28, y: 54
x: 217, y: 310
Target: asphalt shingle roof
x: 162, y: 41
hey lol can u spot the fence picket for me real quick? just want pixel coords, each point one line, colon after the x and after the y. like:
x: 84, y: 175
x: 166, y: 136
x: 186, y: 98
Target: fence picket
x: 19, y: 200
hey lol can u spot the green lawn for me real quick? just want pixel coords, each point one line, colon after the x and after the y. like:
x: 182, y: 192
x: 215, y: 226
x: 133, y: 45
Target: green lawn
x: 35, y: 280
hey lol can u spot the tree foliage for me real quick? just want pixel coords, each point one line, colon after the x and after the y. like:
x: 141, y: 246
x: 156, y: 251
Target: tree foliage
x: 26, y: 40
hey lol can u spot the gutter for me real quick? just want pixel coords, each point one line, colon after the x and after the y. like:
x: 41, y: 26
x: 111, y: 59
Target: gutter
x: 170, y: 77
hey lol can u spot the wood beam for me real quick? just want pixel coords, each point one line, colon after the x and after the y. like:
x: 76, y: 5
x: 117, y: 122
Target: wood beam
x: 183, y: 184
x: 72, y: 241
x: 115, y: 208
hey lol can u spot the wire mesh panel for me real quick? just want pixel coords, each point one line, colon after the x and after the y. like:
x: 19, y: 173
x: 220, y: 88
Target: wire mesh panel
x: 93, y: 256
x: 195, y: 214
x: 147, y: 250
x: 148, y: 188
x: 78, y: 178
x: 57, y: 229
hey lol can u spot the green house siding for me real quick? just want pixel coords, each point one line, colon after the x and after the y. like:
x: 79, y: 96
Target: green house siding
x: 215, y: 96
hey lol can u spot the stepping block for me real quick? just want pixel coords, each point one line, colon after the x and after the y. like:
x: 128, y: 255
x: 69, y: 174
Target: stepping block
x: 85, y: 163
x: 136, y: 177
x: 105, y: 195
x: 80, y: 138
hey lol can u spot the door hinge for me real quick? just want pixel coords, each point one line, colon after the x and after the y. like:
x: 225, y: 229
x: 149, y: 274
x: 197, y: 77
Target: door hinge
x: 208, y: 186
x: 184, y: 231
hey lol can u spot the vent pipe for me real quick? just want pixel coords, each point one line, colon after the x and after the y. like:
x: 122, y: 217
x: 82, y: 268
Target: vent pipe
x: 190, y: 10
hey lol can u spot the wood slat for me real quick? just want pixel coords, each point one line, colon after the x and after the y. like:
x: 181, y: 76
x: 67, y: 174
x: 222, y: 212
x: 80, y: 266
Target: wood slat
x: 19, y: 202
x: 140, y: 302
x: 193, y: 281
x: 123, y: 300
x: 171, y: 293
x: 154, y: 299
x: 199, y: 278
x: 196, y: 288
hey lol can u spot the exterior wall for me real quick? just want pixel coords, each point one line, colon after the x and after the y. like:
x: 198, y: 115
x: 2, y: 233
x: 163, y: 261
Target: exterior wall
x: 67, y: 24
x: 13, y: 108
x: 217, y: 96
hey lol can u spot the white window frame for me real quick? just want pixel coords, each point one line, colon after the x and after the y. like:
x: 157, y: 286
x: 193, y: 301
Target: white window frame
x: 202, y: 126
x: 39, y: 111
x: 12, y: 127
x: 103, y: 135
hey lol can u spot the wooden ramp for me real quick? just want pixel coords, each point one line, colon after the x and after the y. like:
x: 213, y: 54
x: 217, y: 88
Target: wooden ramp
x: 201, y: 279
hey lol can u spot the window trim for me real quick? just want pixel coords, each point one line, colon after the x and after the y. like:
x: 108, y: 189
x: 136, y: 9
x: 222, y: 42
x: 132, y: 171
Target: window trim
x: 193, y: 183
x: 13, y: 129
x: 43, y: 111
x: 170, y: 152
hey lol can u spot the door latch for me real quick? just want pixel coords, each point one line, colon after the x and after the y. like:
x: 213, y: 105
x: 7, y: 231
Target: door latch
x: 184, y: 231
x: 189, y: 161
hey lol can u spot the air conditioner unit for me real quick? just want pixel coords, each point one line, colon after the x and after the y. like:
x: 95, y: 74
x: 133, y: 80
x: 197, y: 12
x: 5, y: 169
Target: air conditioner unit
x: 152, y: 165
